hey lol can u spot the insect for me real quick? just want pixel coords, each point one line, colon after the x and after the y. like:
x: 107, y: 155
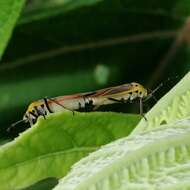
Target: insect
x: 88, y: 101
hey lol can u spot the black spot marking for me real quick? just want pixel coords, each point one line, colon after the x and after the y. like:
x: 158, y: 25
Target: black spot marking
x: 33, y: 114
x: 47, y: 106
x: 88, y: 106
x: 79, y: 105
x: 91, y: 102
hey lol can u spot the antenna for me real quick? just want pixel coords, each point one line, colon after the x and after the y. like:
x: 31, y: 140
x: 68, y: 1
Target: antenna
x: 151, y: 94
x: 14, y: 124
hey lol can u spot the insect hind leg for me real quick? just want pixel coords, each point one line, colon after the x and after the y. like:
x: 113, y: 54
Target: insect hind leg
x: 125, y: 101
x: 119, y: 101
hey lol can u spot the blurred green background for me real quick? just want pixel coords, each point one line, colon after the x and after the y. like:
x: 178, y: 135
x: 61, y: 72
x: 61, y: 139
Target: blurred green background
x: 61, y: 47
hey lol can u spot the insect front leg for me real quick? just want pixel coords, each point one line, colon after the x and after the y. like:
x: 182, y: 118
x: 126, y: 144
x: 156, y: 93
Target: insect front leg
x: 141, y: 108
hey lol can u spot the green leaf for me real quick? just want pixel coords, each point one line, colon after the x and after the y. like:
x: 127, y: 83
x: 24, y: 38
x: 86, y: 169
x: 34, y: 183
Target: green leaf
x: 38, y: 9
x: 51, y: 146
x: 171, y: 107
x: 9, y: 13
x: 159, y: 159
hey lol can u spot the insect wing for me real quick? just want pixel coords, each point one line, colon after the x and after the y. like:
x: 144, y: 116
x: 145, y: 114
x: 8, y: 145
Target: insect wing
x: 112, y: 90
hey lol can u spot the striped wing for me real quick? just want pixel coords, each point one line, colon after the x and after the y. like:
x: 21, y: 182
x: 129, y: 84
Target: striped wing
x: 111, y: 90
x: 101, y: 92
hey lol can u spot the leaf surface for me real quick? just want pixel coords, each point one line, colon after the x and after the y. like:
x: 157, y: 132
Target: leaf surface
x: 10, y: 11
x: 39, y: 9
x: 51, y: 146
x: 159, y: 159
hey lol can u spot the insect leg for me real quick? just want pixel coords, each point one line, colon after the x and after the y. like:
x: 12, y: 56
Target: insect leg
x: 141, y: 106
x: 123, y: 101
x: 96, y: 107
x: 141, y: 109
x: 116, y: 100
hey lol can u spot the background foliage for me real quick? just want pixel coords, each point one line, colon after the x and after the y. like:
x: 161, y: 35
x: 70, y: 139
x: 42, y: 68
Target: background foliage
x: 61, y: 47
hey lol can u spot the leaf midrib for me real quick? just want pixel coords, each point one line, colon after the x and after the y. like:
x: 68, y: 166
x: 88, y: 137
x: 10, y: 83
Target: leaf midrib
x: 57, y: 153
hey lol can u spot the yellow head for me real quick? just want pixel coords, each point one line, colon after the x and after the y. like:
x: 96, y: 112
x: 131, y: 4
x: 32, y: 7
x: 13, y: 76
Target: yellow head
x: 139, y: 89
x: 31, y: 107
